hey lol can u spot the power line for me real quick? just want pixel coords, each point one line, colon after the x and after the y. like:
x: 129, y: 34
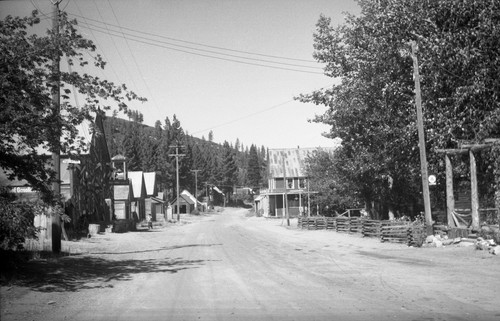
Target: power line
x: 102, y: 49
x: 243, y: 117
x: 135, y: 61
x: 252, y: 114
x: 207, y: 56
x: 116, y: 48
x: 200, y: 44
x: 122, y: 34
x: 39, y: 10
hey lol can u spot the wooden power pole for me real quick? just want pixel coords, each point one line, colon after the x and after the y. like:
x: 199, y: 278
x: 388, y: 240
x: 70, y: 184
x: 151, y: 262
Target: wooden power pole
x: 421, y: 141
x: 195, y: 171
x: 54, y: 144
x: 285, y: 201
x: 177, y: 155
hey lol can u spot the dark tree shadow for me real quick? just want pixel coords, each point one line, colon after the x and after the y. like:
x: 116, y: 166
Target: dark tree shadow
x: 76, y: 273
x: 166, y: 248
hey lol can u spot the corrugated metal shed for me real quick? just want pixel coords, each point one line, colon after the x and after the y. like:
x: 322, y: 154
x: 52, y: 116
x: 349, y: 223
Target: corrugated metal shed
x: 295, y: 159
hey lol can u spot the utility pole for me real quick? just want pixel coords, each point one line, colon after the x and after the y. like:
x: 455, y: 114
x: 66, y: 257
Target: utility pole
x: 195, y: 171
x: 285, y: 202
x: 308, y: 200
x: 56, y: 134
x: 177, y: 155
x: 421, y: 140
x: 207, y: 196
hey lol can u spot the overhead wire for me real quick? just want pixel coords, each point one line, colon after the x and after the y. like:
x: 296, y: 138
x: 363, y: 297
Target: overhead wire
x: 244, y: 117
x: 204, y: 55
x: 64, y: 8
x: 124, y: 35
x: 251, y: 114
x: 99, y: 46
x: 40, y: 10
x: 116, y: 48
x: 167, y: 45
x: 135, y: 61
x: 140, y: 35
x: 202, y: 45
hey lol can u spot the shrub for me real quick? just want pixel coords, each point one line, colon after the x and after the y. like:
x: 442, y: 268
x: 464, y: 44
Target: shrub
x: 490, y: 233
x: 16, y: 222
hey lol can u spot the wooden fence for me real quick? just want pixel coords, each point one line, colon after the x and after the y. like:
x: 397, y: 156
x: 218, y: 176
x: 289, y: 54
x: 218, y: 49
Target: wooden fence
x: 387, y: 231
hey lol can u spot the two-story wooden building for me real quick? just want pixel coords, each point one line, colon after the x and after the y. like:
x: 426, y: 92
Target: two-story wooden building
x: 287, y: 183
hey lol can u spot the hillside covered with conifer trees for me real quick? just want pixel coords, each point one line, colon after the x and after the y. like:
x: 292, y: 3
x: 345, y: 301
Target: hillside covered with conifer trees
x: 151, y: 149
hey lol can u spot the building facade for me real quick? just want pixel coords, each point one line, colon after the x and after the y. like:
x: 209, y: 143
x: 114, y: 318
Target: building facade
x: 288, y: 191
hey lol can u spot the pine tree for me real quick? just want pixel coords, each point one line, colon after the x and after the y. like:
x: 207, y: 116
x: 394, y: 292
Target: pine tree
x: 131, y: 144
x: 254, y: 168
x: 230, y: 171
x: 186, y: 180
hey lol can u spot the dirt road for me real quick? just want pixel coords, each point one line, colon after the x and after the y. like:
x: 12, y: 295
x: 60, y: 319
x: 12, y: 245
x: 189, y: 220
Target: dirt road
x: 229, y: 266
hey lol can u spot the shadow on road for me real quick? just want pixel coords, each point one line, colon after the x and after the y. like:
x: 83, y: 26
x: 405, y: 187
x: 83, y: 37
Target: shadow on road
x: 72, y: 274
x: 167, y: 248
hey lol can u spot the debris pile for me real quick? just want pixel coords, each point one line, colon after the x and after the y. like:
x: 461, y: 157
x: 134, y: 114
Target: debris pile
x: 487, y: 245
x: 440, y: 241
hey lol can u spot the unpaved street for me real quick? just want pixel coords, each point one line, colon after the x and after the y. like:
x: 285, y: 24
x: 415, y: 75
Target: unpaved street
x: 230, y: 266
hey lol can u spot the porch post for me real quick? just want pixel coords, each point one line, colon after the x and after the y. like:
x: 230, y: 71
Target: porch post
x: 300, y: 204
x: 283, y: 198
x: 474, y: 191
x: 450, y: 199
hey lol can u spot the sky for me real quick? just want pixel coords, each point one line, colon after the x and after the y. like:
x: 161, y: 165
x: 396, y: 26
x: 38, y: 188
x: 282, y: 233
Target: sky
x: 232, y: 67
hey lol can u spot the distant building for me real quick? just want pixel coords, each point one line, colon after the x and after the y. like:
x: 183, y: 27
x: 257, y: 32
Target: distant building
x: 243, y: 191
x: 138, y: 194
x: 187, y: 203
x: 154, y: 203
x: 287, y: 183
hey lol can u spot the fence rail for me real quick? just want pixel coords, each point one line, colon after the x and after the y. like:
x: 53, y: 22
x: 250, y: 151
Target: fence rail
x: 387, y: 231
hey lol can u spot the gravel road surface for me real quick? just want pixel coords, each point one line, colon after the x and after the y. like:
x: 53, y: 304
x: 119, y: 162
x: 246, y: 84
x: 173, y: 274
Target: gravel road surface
x: 232, y: 266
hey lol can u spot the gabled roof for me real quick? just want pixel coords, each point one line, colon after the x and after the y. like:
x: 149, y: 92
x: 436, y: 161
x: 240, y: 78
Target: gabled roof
x: 136, y: 178
x: 295, y: 159
x: 150, y: 182
x: 192, y: 199
x: 187, y: 197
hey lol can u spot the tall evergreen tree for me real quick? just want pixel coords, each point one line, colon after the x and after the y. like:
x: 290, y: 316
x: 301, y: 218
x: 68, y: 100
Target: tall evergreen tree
x: 242, y: 165
x: 186, y: 177
x: 147, y: 148
x: 132, y: 147
x: 230, y: 171
x: 254, y: 168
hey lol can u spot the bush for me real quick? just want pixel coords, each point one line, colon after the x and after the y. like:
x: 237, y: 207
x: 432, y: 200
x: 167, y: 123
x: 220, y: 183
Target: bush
x: 490, y: 233
x: 17, y: 222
